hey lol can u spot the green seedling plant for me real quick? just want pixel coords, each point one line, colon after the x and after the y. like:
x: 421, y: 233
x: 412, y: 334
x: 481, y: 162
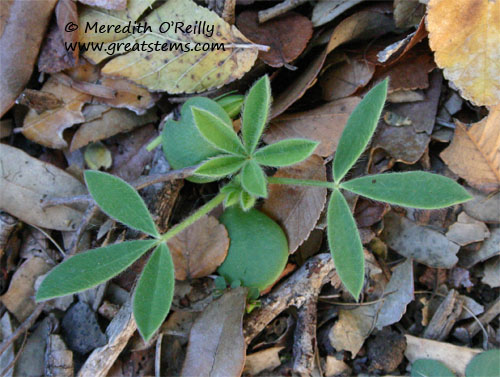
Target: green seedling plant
x: 204, y: 137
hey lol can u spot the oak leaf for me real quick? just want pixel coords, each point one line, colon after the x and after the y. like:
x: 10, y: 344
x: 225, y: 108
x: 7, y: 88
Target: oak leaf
x: 465, y: 36
x: 474, y: 153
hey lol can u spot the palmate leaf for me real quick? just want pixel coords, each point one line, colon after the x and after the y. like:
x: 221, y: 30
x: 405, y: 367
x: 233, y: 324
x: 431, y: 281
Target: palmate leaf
x: 359, y: 130
x: 154, y: 292
x: 217, y: 133
x: 345, y: 244
x: 93, y: 267
x: 220, y: 166
x: 415, y: 189
x: 255, y: 113
x: 253, y: 179
x: 285, y: 152
x: 119, y: 200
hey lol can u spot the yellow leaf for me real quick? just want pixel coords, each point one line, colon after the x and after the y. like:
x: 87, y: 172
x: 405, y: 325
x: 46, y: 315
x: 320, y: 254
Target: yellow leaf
x: 179, y: 70
x: 474, y: 153
x: 465, y: 36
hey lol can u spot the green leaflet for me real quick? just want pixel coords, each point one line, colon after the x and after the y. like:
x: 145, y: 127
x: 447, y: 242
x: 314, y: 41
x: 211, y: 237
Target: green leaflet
x: 415, y: 189
x: 486, y: 364
x: 285, y: 152
x: 232, y: 104
x: 247, y: 201
x: 430, y: 368
x: 119, y: 200
x: 345, y: 244
x: 258, y: 251
x: 359, y: 130
x: 93, y: 267
x: 154, y: 292
x: 216, y: 132
x: 253, y: 179
x: 183, y: 144
x: 220, y: 166
x: 255, y: 113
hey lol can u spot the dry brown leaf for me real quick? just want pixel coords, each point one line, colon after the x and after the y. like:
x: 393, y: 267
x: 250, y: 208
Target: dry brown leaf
x: 39, y: 100
x: 110, y: 123
x: 489, y: 249
x: 259, y: 361
x: 408, y: 13
x: 280, y: 34
x: 23, y: 27
x: 492, y: 273
x: 65, y: 13
x: 198, y: 250
x: 467, y: 230
x: 19, y: 298
x: 483, y: 207
x: 324, y: 124
x: 297, y: 208
x: 53, y: 55
x: 216, y: 343
x: 327, y: 10
x: 47, y: 128
x: 106, y: 4
x: 25, y: 182
x: 465, y: 36
x: 345, y: 79
x: 474, y: 153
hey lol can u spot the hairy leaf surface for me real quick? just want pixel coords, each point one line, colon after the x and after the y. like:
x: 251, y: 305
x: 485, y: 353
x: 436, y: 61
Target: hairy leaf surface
x: 286, y: 152
x: 255, y: 112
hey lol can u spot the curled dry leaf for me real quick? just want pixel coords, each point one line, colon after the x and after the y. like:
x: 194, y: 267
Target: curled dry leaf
x: 198, y: 250
x: 474, y: 152
x: 287, y: 35
x: 465, y: 37
x: 324, y: 124
x: 110, y: 123
x: 19, y: 298
x: 17, y: 61
x: 47, y: 128
x: 25, y: 182
x: 184, y: 70
x: 297, y: 208
x: 418, y: 242
x: 216, y: 344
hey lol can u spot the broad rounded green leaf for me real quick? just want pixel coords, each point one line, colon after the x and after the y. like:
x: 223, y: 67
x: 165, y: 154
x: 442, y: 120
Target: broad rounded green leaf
x: 430, y: 368
x: 183, y: 144
x: 486, y: 364
x: 253, y: 179
x: 216, y: 132
x: 119, y: 200
x: 258, y: 251
x: 255, y: 113
x: 345, y: 244
x: 416, y: 189
x: 154, y: 292
x: 285, y: 152
x: 86, y: 270
x: 359, y: 130
x: 221, y: 166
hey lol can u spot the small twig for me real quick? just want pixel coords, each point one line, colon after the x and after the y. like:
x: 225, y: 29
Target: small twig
x: 23, y: 328
x: 158, y: 356
x: 50, y: 239
x: 248, y: 45
x: 87, y: 217
x: 305, y: 338
x: 13, y: 362
x: 277, y: 10
x: 138, y: 184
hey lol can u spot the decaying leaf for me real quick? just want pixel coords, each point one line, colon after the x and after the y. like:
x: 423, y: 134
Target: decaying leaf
x: 418, y: 242
x: 47, y: 128
x: 400, y: 294
x: 483, y: 207
x: 327, y: 10
x: 198, y: 250
x: 216, y: 344
x: 183, y: 70
x: 465, y: 37
x: 20, y: 297
x: 345, y: 78
x: 280, y: 34
x: 474, y: 152
x: 408, y: 13
x: 324, y: 124
x: 297, y: 208
x: 492, y: 273
x: 53, y: 55
x: 39, y: 100
x: 467, y: 230
x: 106, y: 4
x: 65, y: 13
x: 6, y: 330
x: 489, y: 248
x: 110, y: 123
x: 25, y: 182
x: 259, y: 361
x: 24, y: 24
x: 352, y: 328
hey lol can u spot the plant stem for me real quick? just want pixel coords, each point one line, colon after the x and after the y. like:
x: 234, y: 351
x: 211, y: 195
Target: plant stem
x: 300, y: 182
x: 202, y: 211
x: 156, y: 142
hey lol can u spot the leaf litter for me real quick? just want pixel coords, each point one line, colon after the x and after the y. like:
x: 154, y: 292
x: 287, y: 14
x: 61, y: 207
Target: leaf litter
x: 104, y: 110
